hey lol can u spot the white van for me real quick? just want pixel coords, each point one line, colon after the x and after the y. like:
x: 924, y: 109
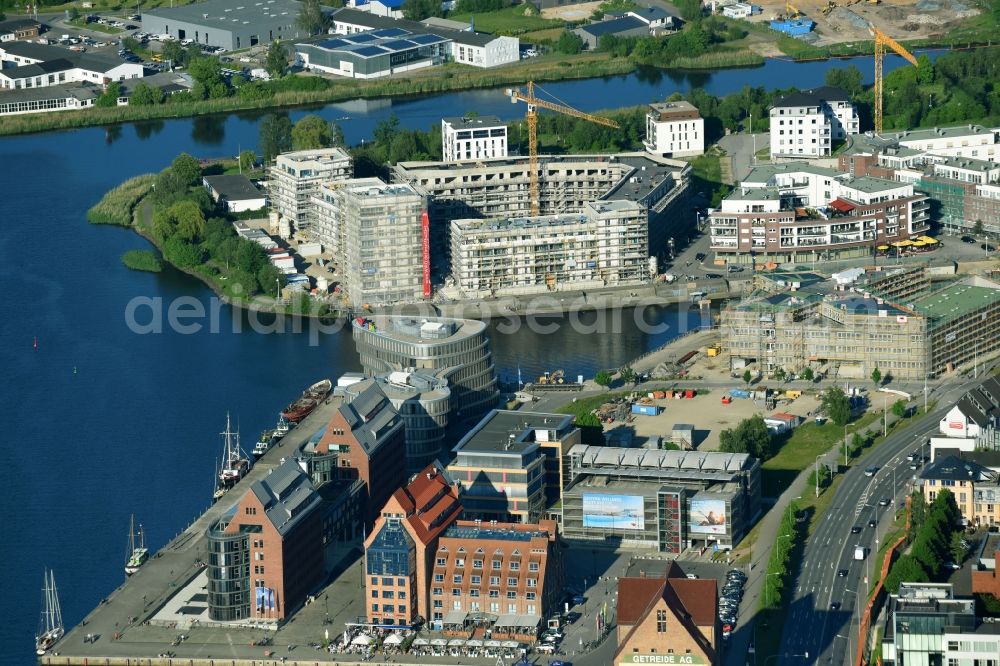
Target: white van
x: 859, y: 552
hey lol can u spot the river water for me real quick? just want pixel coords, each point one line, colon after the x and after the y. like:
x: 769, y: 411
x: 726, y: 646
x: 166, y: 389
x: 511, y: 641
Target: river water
x: 105, y: 421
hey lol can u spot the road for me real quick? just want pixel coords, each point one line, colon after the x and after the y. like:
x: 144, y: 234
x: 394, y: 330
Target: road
x: 812, y: 627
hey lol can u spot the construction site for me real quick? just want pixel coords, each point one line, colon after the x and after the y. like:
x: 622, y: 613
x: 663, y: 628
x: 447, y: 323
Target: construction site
x: 839, y: 21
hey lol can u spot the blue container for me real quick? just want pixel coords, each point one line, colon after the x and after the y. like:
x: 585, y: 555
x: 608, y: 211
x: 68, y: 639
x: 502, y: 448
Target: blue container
x: 739, y: 393
x: 646, y: 410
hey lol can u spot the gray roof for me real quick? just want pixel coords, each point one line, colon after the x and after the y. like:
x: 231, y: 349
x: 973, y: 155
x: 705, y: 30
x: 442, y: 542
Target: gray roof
x: 651, y: 13
x: 233, y: 187
x: 952, y: 468
x: 96, y: 62
x: 981, y: 405
x: 286, y: 495
x: 813, y: 97
x: 11, y: 25
x: 939, y: 132
x: 435, y: 22
x: 38, y: 69
x: 374, y: 43
x: 371, y: 418
x: 871, y: 184
x: 474, y: 123
x: 375, y: 22
x: 503, y: 431
x: 227, y: 14
x: 80, y: 91
x: 613, y: 26
x: 765, y: 173
x: 35, y: 51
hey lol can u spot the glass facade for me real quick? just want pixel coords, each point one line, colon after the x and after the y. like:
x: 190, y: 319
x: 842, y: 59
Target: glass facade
x: 228, y: 574
x: 392, y: 553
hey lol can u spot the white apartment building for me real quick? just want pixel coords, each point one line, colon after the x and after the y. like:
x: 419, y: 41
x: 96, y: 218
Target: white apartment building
x: 295, y: 177
x: 381, y: 255
x: 482, y: 137
x: 606, y: 244
x: 674, y: 129
x: 806, y: 123
x: 69, y: 68
x: 739, y: 10
x: 973, y: 141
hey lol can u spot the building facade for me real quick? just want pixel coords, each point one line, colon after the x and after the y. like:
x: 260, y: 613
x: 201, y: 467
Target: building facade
x: 373, y: 54
x: 976, y: 488
x: 295, y: 179
x: 266, y: 554
x: 231, y: 24
x: 674, y: 129
x: 458, y: 348
x: 19, y: 29
x: 477, y: 138
x: 400, y: 550
x: 659, y: 500
x: 806, y: 123
x: 39, y: 66
x: 607, y: 244
x: 667, y: 620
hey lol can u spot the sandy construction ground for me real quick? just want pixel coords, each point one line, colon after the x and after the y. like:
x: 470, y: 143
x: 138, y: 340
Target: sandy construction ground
x: 571, y: 12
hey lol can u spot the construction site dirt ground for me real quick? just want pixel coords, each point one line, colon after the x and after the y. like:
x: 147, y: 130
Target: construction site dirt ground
x: 708, y: 416
x: 571, y: 13
x: 900, y: 19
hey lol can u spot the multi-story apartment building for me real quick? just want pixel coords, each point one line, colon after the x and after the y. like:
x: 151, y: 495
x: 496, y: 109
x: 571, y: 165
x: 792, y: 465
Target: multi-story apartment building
x: 365, y: 440
x: 459, y: 348
x: 806, y: 123
x: 295, y: 177
x: 926, y: 624
x: 669, y: 619
x: 266, y: 553
x: 500, y: 189
x: 795, y: 214
x: 508, y: 576
x: 478, y: 138
x: 423, y: 400
x: 604, y: 245
x: 400, y: 551
x: 674, y: 129
x: 382, y: 253
x: 973, y: 141
x: 976, y: 488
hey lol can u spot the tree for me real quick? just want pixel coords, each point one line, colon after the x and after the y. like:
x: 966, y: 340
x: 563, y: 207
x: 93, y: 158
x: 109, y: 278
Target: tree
x: 905, y: 569
x: 977, y: 228
x: 807, y: 374
x: 690, y: 9
x: 275, y: 135
x: 276, y: 60
x: 750, y: 436
x: 131, y: 43
x: 747, y: 377
x: 145, y: 95
x: 628, y: 374
x: 418, y: 10
x: 779, y: 374
x: 899, y: 408
x: 847, y: 78
x: 187, y: 168
x: 110, y: 95
x: 602, y: 378
x: 857, y: 443
x: 958, y: 548
x: 74, y: 13
x: 876, y: 376
x: 825, y: 477
x: 311, y: 132
x: 247, y: 160
x: 836, y: 405
x: 173, y: 52
x: 569, y: 43
x: 207, y: 74
x: 311, y: 17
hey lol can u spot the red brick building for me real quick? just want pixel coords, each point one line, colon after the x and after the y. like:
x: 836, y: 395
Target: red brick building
x: 366, y: 440
x: 667, y: 620
x: 400, y: 549
x: 505, y: 577
x: 267, y: 553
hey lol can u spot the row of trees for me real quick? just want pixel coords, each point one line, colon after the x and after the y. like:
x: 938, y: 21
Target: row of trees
x: 190, y: 231
x: 778, y: 572
x: 935, y: 538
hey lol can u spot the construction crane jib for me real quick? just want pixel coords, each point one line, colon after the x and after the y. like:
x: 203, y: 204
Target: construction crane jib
x: 883, y: 40
x: 528, y: 97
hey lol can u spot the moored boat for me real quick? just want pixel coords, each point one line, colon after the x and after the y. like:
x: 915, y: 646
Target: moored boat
x: 235, y: 463
x: 266, y: 441
x: 310, y: 399
x: 50, y: 623
x: 137, y: 555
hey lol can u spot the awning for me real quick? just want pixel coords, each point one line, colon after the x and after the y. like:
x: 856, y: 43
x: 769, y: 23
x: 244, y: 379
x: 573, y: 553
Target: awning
x: 510, y: 644
x: 882, y: 248
x: 506, y: 621
x: 919, y: 243
x: 472, y: 642
x: 530, y: 621
x: 456, y: 642
x: 492, y: 644
x: 928, y: 240
x: 362, y: 639
x: 421, y: 641
x: 440, y: 642
x: 903, y: 243
x: 842, y: 206
x: 454, y: 617
x: 393, y: 639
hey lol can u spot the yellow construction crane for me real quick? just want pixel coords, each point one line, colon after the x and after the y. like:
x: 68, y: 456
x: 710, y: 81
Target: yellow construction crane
x: 883, y: 40
x: 517, y: 95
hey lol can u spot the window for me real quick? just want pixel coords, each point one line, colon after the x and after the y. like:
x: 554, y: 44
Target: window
x: 387, y: 581
x: 511, y: 582
x: 374, y: 594
x: 456, y: 591
x: 258, y: 569
x: 438, y: 578
x: 250, y: 510
x: 375, y: 607
x: 494, y: 580
x: 459, y: 562
x: 457, y: 578
x: 474, y: 593
x: 388, y: 594
x: 532, y: 566
x: 477, y: 580
x: 515, y: 566
x: 477, y: 564
x: 661, y: 621
x: 530, y: 596
x: 496, y: 565
x: 441, y: 562
x: 401, y: 595
x: 437, y: 591
x: 532, y: 581
x: 512, y: 595
x: 494, y: 594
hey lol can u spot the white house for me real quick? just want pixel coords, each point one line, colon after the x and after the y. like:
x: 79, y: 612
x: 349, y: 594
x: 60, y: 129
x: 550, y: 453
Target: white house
x: 958, y: 424
x: 481, y: 50
x: 390, y: 8
x: 806, y: 123
x: 739, y: 10
x: 674, y: 129
x: 482, y: 137
x: 77, y: 68
x: 963, y: 141
x: 235, y: 192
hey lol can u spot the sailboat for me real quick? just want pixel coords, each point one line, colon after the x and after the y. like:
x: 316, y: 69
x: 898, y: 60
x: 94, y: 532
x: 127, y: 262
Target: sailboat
x: 137, y: 556
x: 50, y: 624
x: 235, y: 463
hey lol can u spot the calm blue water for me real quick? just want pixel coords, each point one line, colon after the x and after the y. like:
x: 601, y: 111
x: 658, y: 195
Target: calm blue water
x: 103, y: 422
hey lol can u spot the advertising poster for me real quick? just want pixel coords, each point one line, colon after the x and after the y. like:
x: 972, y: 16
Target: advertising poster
x: 613, y: 511
x: 707, y: 516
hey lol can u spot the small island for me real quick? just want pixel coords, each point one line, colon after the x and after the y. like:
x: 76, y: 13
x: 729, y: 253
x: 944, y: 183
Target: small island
x: 142, y: 260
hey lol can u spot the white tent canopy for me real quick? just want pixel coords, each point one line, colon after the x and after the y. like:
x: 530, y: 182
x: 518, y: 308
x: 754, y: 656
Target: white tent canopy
x: 393, y: 639
x: 362, y: 639
x: 421, y: 641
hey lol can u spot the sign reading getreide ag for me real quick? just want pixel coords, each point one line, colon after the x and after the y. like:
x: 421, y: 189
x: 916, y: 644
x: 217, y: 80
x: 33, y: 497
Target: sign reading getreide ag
x: 642, y: 658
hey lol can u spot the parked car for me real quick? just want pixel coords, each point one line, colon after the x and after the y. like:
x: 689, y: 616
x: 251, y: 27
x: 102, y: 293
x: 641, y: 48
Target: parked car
x: 735, y: 269
x: 700, y: 257
x: 871, y: 471
x: 988, y: 247
x: 834, y: 605
x: 968, y: 239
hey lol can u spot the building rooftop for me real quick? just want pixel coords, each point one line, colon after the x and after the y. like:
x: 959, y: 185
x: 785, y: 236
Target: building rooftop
x: 427, y: 330
x: 614, y: 26
x: 321, y: 156
x: 720, y: 466
x: 234, y: 187
x: 868, y: 143
x: 38, y: 68
x: 754, y: 194
x: 967, y: 163
x: 370, y: 417
x: 871, y: 184
x: 766, y: 173
x: 500, y: 532
x: 509, y: 432
x: 476, y: 122
x: 231, y: 14
x: 681, y: 108
x: 939, y: 133
x: 813, y: 97
x: 10, y: 25
x: 376, y: 22
x: 437, y: 22
x: 80, y: 91
x: 35, y: 51
x: 286, y: 494
x: 380, y: 42
x: 651, y: 14
x: 953, y: 468
x: 374, y: 188
x: 956, y: 300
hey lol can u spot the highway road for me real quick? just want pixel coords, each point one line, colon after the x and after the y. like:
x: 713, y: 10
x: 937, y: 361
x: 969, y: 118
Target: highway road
x: 822, y: 622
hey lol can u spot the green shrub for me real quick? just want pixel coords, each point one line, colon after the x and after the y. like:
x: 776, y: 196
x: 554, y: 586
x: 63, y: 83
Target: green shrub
x: 142, y: 260
x: 116, y: 206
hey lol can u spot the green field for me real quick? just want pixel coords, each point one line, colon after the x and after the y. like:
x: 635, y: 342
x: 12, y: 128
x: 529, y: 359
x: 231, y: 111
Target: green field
x: 509, y: 21
x: 95, y: 27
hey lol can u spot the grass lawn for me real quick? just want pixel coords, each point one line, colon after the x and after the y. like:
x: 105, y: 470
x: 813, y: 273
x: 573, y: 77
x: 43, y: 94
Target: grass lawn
x: 96, y: 27
x: 707, y: 172
x: 508, y: 21
x: 548, y: 35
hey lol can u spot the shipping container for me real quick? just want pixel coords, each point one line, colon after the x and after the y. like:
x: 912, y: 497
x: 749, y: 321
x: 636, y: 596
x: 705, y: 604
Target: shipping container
x: 739, y: 393
x: 646, y: 410
x: 713, y: 351
x: 689, y: 393
x: 659, y: 395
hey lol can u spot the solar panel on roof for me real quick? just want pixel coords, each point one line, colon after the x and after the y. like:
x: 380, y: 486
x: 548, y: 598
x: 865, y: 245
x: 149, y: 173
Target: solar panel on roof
x: 390, y: 32
x: 333, y: 44
x: 369, y: 51
x: 425, y: 39
x: 399, y: 44
x: 362, y: 38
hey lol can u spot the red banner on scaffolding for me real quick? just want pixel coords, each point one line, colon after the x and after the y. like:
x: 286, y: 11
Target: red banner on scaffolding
x: 425, y: 225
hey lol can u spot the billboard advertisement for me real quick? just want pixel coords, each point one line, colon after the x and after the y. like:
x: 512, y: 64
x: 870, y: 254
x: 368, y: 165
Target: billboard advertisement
x: 613, y: 511
x: 707, y: 516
